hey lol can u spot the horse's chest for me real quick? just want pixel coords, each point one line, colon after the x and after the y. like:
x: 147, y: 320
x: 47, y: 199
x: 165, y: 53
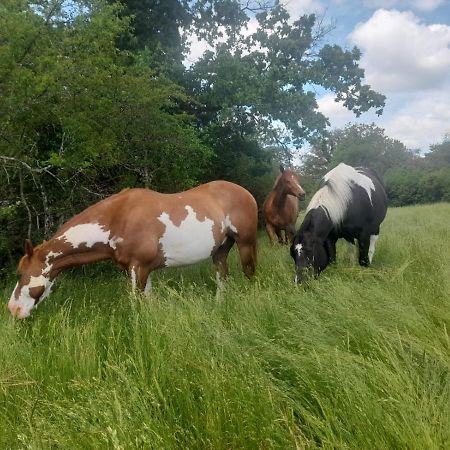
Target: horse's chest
x: 189, y: 242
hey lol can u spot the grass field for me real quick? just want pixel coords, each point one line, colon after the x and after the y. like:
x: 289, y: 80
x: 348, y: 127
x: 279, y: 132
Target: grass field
x: 358, y: 359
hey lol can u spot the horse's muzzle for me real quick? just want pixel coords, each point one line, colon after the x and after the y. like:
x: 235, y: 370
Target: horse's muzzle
x: 17, y: 311
x: 301, y: 196
x: 303, y: 274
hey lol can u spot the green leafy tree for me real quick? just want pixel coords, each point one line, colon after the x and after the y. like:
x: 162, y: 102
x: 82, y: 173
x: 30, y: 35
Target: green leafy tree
x: 264, y: 79
x: 367, y: 145
x: 258, y: 86
x: 317, y: 161
x: 79, y: 119
x: 439, y: 154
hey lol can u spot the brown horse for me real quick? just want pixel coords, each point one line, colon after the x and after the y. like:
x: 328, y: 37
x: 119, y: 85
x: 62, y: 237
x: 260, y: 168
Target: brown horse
x: 280, y: 208
x: 143, y: 230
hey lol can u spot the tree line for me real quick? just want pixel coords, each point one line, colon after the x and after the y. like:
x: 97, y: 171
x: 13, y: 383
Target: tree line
x: 409, y: 177
x: 98, y: 95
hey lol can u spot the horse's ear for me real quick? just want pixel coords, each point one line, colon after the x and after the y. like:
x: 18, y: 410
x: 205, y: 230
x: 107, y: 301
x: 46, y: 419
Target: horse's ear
x: 28, y: 248
x: 281, y: 168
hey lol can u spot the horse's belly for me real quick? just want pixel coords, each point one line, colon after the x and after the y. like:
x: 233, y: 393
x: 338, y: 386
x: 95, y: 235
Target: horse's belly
x: 190, y: 242
x: 183, y: 252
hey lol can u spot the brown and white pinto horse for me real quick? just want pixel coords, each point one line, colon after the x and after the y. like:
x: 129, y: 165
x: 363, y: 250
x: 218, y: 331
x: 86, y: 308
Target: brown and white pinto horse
x: 280, y: 209
x: 143, y: 230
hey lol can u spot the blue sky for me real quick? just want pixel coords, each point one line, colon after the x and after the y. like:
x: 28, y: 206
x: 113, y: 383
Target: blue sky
x: 405, y: 48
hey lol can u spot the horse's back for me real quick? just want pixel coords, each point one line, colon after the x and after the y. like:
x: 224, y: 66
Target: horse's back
x: 368, y: 206
x: 235, y: 202
x: 378, y: 200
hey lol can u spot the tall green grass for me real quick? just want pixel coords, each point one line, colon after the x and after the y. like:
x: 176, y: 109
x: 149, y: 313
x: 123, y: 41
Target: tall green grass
x: 359, y: 358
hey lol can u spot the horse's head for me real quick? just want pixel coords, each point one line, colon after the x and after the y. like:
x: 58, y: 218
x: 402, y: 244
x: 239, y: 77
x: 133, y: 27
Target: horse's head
x: 289, y: 180
x: 309, y: 254
x: 35, y: 281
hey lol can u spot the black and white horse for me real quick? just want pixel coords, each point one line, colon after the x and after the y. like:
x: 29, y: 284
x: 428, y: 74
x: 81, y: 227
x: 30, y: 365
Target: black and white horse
x: 351, y: 203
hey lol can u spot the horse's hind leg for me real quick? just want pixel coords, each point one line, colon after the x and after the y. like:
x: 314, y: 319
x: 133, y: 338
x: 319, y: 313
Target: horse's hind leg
x: 247, y: 253
x: 279, y: 233
x: 271, y: 233
x: 363, y: 244
x: 220, y: 257
x: 373, y: 240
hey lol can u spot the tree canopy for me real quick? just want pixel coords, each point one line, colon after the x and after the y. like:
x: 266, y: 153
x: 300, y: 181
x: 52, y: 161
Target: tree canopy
x: 97, y: 95
x: 409, y: 177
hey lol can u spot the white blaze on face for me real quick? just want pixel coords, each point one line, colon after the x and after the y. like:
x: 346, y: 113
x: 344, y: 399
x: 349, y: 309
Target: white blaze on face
x: 89, y: 234
x: 190, y: 242
x: 298, y: 248
x: 22, y: 306
x: 297, y: 183
x: 24, y: 303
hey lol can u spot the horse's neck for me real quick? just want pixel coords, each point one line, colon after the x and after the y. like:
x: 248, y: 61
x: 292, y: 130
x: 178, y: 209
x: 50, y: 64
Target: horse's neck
x: 280, y: 196
x: 72, y: 257
x: 320, y: 222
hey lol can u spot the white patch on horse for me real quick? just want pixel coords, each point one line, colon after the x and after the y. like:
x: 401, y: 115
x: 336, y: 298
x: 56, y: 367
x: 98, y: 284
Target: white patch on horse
x: 227, y: 225
x: 25, y: 303
x: 365, y: 182
x: 190, y: 242
x: 89, y: 234
x: 299, y: 247
x: 133, y: 280
x: 219, y: 283
x: 114, y: 241
x: 148, y: 286
x: 373, y: 240
x: 48, y: 266
x: 335, y: 196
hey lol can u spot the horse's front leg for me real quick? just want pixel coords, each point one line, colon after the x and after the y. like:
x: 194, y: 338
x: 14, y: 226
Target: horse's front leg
x: 363, y: 244
x: 219, y: 258
x: 271, y: 233
x: 279, y: 233
x: 330, y: 246
x: 290, y: 233
x: 140, y: 278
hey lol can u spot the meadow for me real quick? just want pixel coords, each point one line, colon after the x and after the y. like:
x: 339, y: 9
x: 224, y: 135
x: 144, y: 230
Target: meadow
x: 357, y: 359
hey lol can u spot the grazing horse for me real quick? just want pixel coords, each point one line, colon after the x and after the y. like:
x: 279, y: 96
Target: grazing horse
x: 142, y: 230
x: 280, y: 209
x: 351, y: 203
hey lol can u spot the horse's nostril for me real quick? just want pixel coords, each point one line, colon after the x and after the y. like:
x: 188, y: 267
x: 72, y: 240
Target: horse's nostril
x: 13, y: 309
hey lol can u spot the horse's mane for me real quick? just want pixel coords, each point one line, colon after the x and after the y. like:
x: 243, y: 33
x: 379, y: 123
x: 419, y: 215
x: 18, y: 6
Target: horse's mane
x: 335, y: 191
x: 277, y: 180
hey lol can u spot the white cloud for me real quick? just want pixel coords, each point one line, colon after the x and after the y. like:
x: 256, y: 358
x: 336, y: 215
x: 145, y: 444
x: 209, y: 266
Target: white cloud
x: 423, y: 121
x: 196, y: 49
x: 339, y: 115
x: 421, y: 5
x: 297, y: 8
x: 402, y: 54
